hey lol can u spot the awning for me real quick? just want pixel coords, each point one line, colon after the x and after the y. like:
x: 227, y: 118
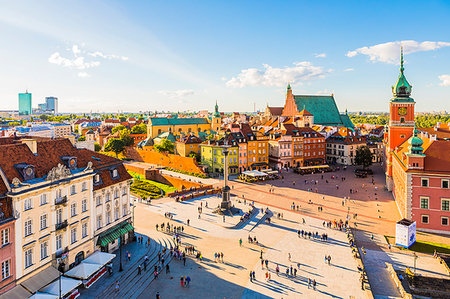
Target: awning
x: 259, y: 164
x: 41, y: 279
x: 114, y: 233
x: 17, y: 292
x: 254, y: 173
x: 90, y: 265
x: 67, y: 286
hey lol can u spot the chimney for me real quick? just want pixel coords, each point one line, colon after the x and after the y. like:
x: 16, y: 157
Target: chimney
x: 32, y: 144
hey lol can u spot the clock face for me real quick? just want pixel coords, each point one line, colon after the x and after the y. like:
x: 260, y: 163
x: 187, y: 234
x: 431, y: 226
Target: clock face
x: 402, y: 111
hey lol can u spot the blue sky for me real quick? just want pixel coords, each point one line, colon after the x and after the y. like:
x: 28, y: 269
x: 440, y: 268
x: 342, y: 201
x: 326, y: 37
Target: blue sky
x: 110, y: 56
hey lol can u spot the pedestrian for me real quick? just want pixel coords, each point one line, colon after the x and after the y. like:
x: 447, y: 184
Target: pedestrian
x: 254, y: 275
x: 129, y: 256
x: 277, y: 269
x: 287, y: 271
x: 309, y: 283
x: 251, y: 276
x: 314, y: 284
x: 139, y: 270
x: 291, y: 271
x: 240, y: 242
x: 295, y: 272
x: 157, y: 295
x: 329, y: 260
x: 326, y: 259
x: 289, y: 255
x: 188, y: 222
x: 167, y: 268
x: 184, y: 260
x: 188, y: 280
x: 262, y: 264
x: 117, y: 286
x: 182, y: 281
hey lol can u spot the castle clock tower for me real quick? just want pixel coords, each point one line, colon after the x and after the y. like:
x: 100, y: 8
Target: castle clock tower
x: 401, y: 119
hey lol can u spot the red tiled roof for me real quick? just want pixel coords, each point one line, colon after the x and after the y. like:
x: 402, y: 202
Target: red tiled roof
x: 276, y: 111
x: 49, y: 153
x: 304, y: 113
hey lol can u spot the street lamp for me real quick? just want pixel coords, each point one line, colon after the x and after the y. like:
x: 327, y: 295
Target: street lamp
x: 415, y: 259
x: 120, y: 249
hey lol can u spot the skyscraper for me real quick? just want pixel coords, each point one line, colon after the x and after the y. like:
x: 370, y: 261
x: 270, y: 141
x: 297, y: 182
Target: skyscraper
x: 25, y: 104
x: 52, y: 104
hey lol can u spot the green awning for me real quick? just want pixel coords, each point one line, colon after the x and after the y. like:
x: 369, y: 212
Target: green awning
x: 114, y: 233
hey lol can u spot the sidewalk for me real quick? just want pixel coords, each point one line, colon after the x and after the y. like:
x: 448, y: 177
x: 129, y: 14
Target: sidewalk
x: 137, y: 252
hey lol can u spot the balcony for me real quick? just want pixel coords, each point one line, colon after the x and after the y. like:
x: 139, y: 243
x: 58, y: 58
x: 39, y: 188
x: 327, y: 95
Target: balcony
x: 61, y: 225
x: 60, y: 252
x: 61, y: 200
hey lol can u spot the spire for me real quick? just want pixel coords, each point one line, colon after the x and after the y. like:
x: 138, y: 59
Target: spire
x: 289, y: 86
x: 216, y: 110
x: 402, y: 89
x: 401, y: 60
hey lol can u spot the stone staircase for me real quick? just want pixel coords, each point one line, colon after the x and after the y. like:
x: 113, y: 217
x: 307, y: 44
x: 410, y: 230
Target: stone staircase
x: 133, y: 284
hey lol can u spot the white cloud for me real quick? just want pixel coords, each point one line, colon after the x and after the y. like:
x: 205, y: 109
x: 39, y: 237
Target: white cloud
x: 270, y: 76
x: 445, y: 80
x: 107, y: 56
x: 349, y: 69
x: 76, y: 50
x: 177, y: 94
x: 324, y: 92
x: 390, y: 52
x: 83, y: 75
x: 321, y: 55
x: 75, y: 63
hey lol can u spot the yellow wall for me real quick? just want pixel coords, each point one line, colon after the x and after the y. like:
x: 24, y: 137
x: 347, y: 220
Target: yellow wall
x: 153, y: 131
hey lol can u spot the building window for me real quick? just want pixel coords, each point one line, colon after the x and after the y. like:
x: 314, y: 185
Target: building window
x: 73, y: 235
x: 124, y: 191
x: 83, y: 205
x: 6, y: 269
x: 444, y: 220
x: 28, y: 227
x: 28, y: 258
x: 84, y: 186
x: 445, y: 204
x: 73, y: 210
x: 116, y: 213
x: 424, y: 203
x: 116, y: 193
x: 425, y: 219
x: 108, y: 197
x: 58, y: 216
x: 445, y: 184
x: 115, y: 173
x: 27, y: 204
x: 44, y: 250
x: 124, y: 210
x: 43, y: 199
x: 84, y: 230
x: 5, y: 237
x: 58, y: 242
x: 97, y: 178
x: 424, y: 182
x: 43, y: 221
x: 72, y: 190
x: 99, y: 201
x: 108, y: 217
x: 99, y: 221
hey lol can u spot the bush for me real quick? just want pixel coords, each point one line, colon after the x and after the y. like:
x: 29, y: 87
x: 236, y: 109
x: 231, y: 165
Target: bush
x: 145, y: 189
x: 199, y: 175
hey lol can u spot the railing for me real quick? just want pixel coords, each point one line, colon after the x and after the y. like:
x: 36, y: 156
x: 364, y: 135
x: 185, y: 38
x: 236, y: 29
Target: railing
x: 61, y: 225
x: 61, y: 200
x: 59, y: 253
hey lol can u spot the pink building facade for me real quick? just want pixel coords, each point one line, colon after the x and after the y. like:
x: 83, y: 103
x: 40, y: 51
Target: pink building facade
x: 7, y: 249
x: 431, y: 202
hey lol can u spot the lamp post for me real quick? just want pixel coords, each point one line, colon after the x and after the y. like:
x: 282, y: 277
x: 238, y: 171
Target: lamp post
x: 225, y: 204
x: 120, y: 255
x: 415, y: 259
x: 59, y: 263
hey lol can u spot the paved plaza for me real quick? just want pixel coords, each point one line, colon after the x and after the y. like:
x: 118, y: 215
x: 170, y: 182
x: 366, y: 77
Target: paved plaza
x: 211, y: 233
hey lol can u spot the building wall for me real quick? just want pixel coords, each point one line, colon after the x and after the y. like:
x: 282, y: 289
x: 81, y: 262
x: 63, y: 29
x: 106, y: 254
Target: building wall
x: 399, y: 180
x: 435, y: 195
x: 48, y: 234
x: 184, y: 149
x: 212, y: 156
x: 62, y: 130
x: 7, y: 252
x: 155, y: 130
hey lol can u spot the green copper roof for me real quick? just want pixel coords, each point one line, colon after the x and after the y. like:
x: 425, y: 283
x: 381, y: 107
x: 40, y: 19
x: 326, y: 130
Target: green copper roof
x: 161, y: 121
x: 324, y: 110
x: 216, y: 111
x: 346, y: 121
x: 402, y: 89
x: 165, y: 135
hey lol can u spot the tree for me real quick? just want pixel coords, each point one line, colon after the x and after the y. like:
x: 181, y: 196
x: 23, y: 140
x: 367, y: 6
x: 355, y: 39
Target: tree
x: 44, y: 117
x: 114, y: 145
x: 97, y: 147
x: 363, y: 156
x: 139, y: 129
x: 126, y: 138
x: 165, y: 146
x: 118, y: 128
x: 82, y: 138
x: 195, y: 155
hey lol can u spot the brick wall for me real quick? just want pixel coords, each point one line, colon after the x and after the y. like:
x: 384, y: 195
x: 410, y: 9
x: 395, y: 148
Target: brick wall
x: 163, y: 159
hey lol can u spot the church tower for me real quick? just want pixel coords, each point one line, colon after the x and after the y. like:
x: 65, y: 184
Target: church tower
x: 401, y: 119
x: 216, y: 121
x: 290, y: 108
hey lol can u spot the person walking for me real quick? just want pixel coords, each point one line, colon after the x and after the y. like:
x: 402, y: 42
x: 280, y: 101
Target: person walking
x: 277, y: 269
x: 289, y: 256
x: 182, y: 281
x: 167, y: 268
x: 251, y: 276
x: 309, y: 283
x: 139, y: 270
x: 267, y: 264
x: 314, y: 284
x: 329, y: 260
x: 240, y: 242
x: 157, y: 295
x: 117, y: 286
x: 295, y: 272
x: 188, y: 280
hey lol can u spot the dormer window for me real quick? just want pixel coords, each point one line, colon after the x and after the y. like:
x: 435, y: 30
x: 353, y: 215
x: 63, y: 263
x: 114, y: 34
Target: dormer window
x: 26, y: 171
x: 70, y: 162
x: 115, y: 173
